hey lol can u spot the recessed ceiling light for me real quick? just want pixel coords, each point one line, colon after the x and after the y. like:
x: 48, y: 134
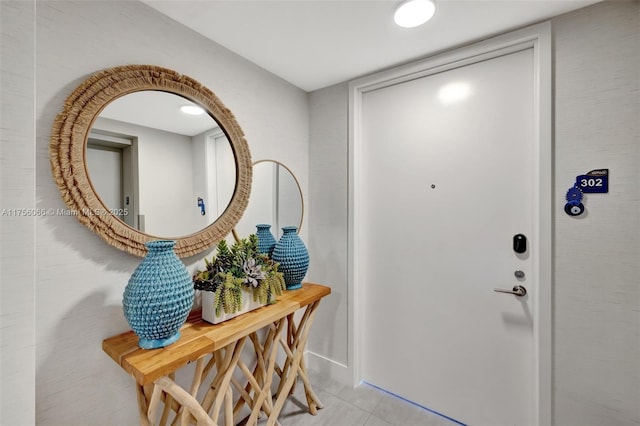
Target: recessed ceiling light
x: 192, y: 109
x: 411, y: 13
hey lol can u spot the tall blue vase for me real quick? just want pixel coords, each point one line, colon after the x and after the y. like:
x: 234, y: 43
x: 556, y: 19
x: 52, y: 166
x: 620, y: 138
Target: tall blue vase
x: 158, y: 297
x: 266, y: 241
x: 293, y: 257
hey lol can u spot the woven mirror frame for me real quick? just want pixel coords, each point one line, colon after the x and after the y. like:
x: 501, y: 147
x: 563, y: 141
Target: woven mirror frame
x: 69, y: 140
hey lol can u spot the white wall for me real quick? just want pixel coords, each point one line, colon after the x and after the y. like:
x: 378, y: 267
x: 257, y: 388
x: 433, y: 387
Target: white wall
x: 276, y: 200
x: 328, y: 220
x: 165, y: 177
x: 596, y: 284
x: 261, y: 208
x: 78, y: 280
x: 288, y: 196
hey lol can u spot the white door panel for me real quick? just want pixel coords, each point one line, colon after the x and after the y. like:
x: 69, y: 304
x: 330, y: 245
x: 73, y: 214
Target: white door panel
x: 447, y: 183
x: 105, y: 165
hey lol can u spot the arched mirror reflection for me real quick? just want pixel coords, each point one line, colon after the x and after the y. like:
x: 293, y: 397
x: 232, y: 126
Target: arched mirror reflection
x: 276, y: 199
x: 160, y: 163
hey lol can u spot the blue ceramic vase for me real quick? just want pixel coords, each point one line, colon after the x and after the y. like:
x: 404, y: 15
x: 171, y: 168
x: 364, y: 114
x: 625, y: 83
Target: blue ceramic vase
x: 293, y: 257
x: 159, y: 296
x: 266, y: 241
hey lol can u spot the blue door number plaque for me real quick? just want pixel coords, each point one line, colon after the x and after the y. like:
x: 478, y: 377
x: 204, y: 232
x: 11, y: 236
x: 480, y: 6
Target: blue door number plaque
x: 594, y: 182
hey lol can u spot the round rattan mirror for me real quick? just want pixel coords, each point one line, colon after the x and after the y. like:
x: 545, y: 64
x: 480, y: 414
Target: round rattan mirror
x: 68, y: 147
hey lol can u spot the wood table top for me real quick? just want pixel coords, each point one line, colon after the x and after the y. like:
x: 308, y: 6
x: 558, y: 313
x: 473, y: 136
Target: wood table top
x: 198, y: 337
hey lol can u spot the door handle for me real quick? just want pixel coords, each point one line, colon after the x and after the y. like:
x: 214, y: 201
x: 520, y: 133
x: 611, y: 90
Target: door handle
x: 518, y: 290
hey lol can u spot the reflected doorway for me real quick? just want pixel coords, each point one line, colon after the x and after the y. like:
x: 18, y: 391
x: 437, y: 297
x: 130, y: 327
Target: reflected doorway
x: 114, y: 175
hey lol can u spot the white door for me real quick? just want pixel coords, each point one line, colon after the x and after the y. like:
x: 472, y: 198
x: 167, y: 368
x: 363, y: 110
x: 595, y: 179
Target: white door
x: 446, y: 172
x: 105, y: 168
x: 113, y: 170
x: 221, y: 179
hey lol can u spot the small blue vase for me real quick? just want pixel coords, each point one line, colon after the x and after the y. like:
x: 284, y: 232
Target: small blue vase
x: 293, y: 257
x: 158, y: 297
x: 266, y: 241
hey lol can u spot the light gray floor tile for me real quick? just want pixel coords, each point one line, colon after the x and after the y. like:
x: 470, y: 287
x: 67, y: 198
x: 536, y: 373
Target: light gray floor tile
x: 401, y: 413
x: 364, y: 396
x: 376, y: 421
x: 336, y: 412
x: 345, y: 406
x: 322, y: 381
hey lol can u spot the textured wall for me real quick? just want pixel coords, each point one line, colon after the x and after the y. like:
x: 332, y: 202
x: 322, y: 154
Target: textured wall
x: 79, y: 279
x: 17, y: 191
x: 597, y: 256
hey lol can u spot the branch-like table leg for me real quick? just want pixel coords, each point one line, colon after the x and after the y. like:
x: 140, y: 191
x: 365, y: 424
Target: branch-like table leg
x: 143, y: 394
x: 296, y: 342
x: 264, y: 393
x: 221, y: 383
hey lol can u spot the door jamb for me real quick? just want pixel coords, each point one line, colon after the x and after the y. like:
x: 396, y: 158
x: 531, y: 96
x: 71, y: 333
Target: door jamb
x: 537, y: 37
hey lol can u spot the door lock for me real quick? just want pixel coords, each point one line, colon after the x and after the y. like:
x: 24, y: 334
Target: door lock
x: 519, y: 243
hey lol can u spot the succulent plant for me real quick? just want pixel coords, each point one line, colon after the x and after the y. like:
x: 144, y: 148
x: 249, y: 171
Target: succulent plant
x: 253, y: 272
x: 237, y: 269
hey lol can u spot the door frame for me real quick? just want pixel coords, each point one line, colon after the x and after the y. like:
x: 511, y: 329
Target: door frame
x: 537, y: 37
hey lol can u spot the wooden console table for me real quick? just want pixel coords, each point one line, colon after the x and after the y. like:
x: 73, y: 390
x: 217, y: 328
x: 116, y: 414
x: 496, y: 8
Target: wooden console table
x: 216, y: 350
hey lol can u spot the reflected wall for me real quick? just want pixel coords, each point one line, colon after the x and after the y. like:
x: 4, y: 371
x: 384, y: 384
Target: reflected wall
x: 276, y: 199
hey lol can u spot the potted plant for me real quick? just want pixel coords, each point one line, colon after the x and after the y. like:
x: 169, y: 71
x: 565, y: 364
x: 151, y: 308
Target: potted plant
x: 238, y: 279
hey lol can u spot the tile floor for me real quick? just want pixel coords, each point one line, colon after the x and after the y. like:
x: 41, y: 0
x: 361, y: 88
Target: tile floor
x: 363, y: 406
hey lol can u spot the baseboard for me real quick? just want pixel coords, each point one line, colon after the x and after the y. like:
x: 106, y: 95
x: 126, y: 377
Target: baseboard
x: 337, y: 371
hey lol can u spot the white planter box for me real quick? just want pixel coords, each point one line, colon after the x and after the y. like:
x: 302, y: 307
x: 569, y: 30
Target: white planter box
x: 209, y: 312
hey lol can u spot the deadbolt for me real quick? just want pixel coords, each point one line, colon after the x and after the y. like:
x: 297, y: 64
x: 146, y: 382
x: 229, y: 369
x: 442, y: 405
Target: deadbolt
x: 519, y: 274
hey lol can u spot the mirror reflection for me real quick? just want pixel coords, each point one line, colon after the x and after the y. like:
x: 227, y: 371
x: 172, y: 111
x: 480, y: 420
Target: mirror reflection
x: 276, y: 199
x: 158, y: 169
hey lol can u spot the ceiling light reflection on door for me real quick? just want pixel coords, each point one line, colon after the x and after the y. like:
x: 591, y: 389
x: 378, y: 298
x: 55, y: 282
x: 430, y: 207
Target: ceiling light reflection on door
x: 454, y: 92
x: 412, y: 13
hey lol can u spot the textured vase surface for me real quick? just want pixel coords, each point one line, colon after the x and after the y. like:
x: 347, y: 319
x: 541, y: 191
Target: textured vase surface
x: 266, y: 240
x: 293, y: 257
x: 159, y: 296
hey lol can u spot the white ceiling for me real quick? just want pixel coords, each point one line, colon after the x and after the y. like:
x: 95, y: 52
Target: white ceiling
x: 316, y: 43
x: 158, y: 110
